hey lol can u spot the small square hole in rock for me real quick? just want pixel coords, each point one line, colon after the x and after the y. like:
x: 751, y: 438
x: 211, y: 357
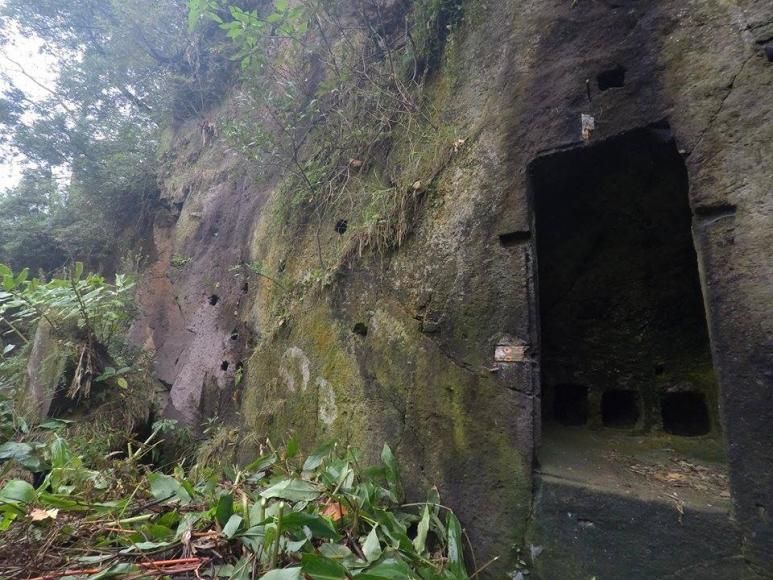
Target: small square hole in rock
x: 685, y: 414
x: 570, y: 404
x: 620, y: 408
x: 612, y: 78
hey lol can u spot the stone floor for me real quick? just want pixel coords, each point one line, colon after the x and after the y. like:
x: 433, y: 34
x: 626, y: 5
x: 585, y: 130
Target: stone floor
x: 611, y: 506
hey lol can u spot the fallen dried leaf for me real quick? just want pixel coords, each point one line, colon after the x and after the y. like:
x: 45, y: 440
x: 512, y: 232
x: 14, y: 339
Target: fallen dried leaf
x: 335, y: 511
x: 38, y: 515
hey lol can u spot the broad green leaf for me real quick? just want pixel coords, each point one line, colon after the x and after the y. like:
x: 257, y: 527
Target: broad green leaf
x: 8, y: 517
x: 393, y: 530
x: 262, y: 463
x: 293, y: 447
x: 225, y: 508
x: 14, y: 450
x: 292, y: 490
x: 121, y: 382
x: 455, y: 548
x: 392, y: 471
x: 321, y: 568
x: 232, y: 526
x: 165, y: 487
x: 64, y: 502
x: 388, y: 568
x: 372, y: 546
x: 320, y: 527
x: 78, y: 271
x: 60, y: 453
x: 17, y: 491
x: 283, y: 574
x: 315, y: 459
x: 116, y: 571
x: 54, y: 424
x: 24, y: 453
x: 242, y: 570
x: 420, y: 541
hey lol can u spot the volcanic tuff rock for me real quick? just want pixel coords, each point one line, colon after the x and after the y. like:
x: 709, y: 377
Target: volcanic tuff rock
x: 420, y: 373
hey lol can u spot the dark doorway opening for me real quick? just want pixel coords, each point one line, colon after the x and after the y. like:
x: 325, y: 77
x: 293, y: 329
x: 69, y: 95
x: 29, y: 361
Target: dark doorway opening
x: 570, y: 405
x: 620, y: 409
x: 621, y: 308
x: 685, y: 414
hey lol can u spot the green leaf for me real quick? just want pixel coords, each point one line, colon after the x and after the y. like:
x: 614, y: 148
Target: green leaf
x: 232, y: 526
x: 17, y: 491
x: 54, y: 424
x: 242, y: 570
x: 455, y: 548
x: 121, y: 382
x: 262, y: 463
x: 60, y: 453
x: 144, y: 547
x: 283, y: 574
x: 78, y: 272
x: 94, y: 559
x: 320, y: 527
x: 293, y: 447
x: 225, y: 508
x: 392, y: 471
x: 388, y: 568
x: 293, y: 490
x: 372, y: 547
x: 420, y: 541
x: 315, y: 459
x: 24, y: 453
x: 8, y: 517
x: 54, y: 500
x: 321, y: 568
x: 393, y: 530
x: 165, y: 487
x: 116, y: 571
x: 335, y: 551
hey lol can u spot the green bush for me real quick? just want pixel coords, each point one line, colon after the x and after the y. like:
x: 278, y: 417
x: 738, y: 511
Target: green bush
x: 281, y: 517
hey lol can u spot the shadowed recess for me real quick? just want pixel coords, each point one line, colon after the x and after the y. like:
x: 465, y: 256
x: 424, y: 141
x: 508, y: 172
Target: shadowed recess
x: 621, y: 308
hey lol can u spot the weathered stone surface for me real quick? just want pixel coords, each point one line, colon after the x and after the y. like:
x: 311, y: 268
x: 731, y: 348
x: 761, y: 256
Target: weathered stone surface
x: 45, y: 368
x: 583, y: 532
x: 514, y: 83
x: 195, y: 295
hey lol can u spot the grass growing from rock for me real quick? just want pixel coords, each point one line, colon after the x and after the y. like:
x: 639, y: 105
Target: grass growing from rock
x: 281, y: 517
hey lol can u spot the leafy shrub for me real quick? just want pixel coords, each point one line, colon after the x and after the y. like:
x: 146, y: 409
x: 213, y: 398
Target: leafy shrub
x: 86, y: 313
x: 278, y: 518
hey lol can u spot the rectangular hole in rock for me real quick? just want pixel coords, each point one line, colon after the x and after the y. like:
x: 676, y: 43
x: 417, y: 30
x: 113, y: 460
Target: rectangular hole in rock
x: 617, y: 276
x: 570, y: 405
x: 685, y: 414
x: 613, y: 78
x: 511, y: 239
x: 620, y: 408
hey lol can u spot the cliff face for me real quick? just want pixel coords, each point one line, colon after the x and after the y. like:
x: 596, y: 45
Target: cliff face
x: 435, y: 346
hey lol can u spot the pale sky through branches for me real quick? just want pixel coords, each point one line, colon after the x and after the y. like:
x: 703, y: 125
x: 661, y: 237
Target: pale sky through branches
x: 25, y: 66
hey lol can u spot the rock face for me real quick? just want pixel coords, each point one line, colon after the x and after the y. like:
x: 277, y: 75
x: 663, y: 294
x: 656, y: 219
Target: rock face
x: 442, y: 348
x: 45, y: 368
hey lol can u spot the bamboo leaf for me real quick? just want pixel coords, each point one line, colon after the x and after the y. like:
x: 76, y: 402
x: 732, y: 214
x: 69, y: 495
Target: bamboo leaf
x: 292, y: 490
